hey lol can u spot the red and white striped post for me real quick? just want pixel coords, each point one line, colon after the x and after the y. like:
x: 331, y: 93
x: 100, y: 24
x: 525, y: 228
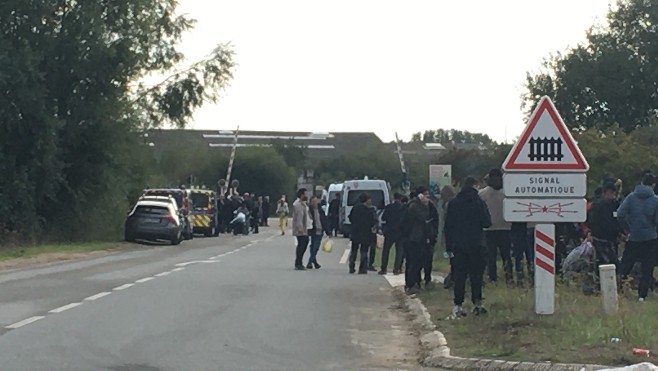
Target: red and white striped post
x: 545, y: 269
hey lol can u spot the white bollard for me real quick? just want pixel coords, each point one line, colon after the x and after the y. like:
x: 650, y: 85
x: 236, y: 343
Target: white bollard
x: 545, y: 269
x: 608, y: 278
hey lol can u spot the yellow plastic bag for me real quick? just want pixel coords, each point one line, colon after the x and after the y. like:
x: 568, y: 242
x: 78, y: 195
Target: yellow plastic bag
x: 327, y: 245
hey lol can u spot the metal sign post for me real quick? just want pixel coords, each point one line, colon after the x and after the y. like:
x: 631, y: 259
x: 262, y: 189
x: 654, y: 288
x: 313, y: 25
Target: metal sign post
x: 545, y: 183
x: 230, y: 162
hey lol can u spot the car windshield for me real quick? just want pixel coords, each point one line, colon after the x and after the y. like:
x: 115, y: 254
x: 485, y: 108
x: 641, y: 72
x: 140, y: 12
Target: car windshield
x: 376, y: 196
x: 200, y: 200
x: 178, y: 196
x: 151, y: 210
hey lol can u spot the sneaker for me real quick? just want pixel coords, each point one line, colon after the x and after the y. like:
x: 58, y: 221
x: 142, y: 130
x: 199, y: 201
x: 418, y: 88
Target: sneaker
x: 300, y: 268
x: 382, y: 272
x: 352, y: 270
x: 309, y: 265
x: 372, y: 269
x: 457, y: 313
x: 413, y: 290
x: 479, y: 310
x: 641, y: 300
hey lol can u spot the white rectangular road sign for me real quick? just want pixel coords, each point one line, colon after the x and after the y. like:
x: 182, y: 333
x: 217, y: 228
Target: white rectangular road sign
x: 545, y: 210
x: 555, y: 185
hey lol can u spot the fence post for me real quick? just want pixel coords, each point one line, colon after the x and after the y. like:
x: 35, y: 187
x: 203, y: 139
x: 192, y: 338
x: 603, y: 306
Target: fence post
x: 608, y: 278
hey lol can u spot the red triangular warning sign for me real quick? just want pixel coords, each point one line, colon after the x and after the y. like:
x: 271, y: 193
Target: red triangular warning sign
x: 546, y: 145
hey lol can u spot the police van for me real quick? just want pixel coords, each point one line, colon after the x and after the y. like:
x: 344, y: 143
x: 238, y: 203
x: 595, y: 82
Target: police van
x: 379, y: 191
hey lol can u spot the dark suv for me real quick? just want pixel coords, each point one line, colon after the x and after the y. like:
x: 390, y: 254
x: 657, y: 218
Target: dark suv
x: 154, y: 220
x: 183, y: 201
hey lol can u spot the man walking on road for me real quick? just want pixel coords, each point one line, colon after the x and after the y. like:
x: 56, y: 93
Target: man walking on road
x: 363, y: 220
x: 300, y: 227
x: 333, y: 212
x: 466, y: 218
x: 497, y: 237
x: 640, y: 211
x: 391, y: 218
x: 417, y: 217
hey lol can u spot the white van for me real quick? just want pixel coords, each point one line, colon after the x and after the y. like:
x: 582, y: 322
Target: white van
x: 379, y: 191
x: 331, y: 194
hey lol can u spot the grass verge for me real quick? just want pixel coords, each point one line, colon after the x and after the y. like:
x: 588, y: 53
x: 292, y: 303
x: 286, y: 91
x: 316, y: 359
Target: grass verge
x: 31, y: 251
x: 578, y: 332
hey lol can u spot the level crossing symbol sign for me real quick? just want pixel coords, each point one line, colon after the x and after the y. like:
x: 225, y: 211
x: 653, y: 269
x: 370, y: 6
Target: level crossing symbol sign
x: 546, y: 145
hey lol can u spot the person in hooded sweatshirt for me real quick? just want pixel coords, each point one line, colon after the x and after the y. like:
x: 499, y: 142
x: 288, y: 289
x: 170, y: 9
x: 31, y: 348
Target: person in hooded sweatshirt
x: 639, y: 212
x: 466, y: 219
x: 497, y: 237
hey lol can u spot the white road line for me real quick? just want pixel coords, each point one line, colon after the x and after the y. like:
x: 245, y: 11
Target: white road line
x: 66, y: 307
x: 177, y: 269
x: 144, y: 280
x: 25, y: 322
x: 97, y: 296
x: 346, y: 255
x: 162, y: 274
x: 123, y: 287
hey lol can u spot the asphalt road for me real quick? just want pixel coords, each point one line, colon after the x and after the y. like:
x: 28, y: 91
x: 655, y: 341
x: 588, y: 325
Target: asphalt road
x: 227, y: 303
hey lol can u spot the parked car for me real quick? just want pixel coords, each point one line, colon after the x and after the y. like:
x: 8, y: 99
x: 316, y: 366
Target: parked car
x: 183, y: 202
x: 154, y: 220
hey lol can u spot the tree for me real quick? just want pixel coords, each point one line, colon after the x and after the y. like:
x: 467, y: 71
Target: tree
x: 451, y: 136
x: 72, y: 107
x: 294, y: 155
x: 612, y: 79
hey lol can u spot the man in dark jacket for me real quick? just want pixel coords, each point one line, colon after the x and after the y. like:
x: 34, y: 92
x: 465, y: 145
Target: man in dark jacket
x: 640, y: 212
x: 265, y: 207
x: 417, y: 217
x: 428, y: 255
x: 603, y: 226
x: 333, y: 214
x: 466, y: 218
x: 363, y: 220
x: 391, y: 218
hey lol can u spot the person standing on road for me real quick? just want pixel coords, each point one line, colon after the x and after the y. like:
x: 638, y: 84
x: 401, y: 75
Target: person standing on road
x: 282, y: 212
x: 428, y: 254
x: 316, y: 231
x: 417, y: 217
x: 363, y: 220
x: 372, y: 250
x: 265, y: 211
x: 467, y: 217
x: 391, y: 218
x: 333, y: 214
x: 640, y: 212
x: 255, y: 214
x: 300, y: 226
x: 497, y: 237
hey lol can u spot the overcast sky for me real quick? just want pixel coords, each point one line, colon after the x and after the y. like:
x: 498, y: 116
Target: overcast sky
x: 381, y: 65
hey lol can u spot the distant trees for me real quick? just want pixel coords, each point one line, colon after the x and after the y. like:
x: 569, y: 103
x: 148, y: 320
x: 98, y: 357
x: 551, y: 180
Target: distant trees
x: 451, y: 136
x: 72, y: 106
x: 609, y: 81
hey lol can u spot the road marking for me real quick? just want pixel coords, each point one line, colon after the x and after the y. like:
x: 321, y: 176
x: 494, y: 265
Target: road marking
x: 346, y: 255
x: 97, y: 296
x: 25, y: 322
x: 162, y: 274
x: 66, y: 307
x: 123, y: 287
x: 177, y: 269
x: 144, y: 280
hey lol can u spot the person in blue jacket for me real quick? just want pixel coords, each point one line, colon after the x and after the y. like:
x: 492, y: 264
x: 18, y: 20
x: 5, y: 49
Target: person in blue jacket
x: 639, y: 213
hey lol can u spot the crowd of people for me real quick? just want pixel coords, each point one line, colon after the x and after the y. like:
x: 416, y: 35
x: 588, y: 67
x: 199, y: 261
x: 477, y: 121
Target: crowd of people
x: 242, y: 214
x: 476, y: 234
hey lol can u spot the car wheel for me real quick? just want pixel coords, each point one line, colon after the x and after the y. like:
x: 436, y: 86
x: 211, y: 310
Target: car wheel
x: 128, y: 236
x: 176, y: 240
